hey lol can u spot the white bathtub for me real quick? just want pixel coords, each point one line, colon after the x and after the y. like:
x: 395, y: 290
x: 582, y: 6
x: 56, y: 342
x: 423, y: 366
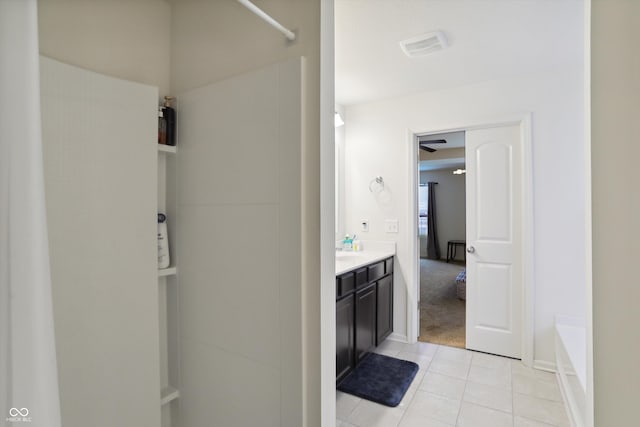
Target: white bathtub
x: 571, y: 365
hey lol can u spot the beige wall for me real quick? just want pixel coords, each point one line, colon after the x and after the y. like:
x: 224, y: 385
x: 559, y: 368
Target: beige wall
x: 215, y: 40
x: 450, y: 209
x: 615, y: 87
x: 212, y: 40
x: 120, y: 38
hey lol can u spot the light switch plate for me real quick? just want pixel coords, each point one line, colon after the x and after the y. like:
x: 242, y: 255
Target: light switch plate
x: 364, y: 225
x: 391, y: 225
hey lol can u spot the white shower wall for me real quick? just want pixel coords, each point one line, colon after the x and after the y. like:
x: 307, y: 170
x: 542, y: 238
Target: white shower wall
x: 238, y: 237
x: 100, y: 163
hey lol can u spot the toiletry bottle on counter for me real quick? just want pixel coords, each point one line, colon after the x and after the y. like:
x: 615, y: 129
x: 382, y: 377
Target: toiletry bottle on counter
x: 347, y: 243
x: 163, y: 242
x: 169, y: 118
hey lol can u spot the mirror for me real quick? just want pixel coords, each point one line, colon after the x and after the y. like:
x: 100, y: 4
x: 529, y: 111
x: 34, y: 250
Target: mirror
x: 339, y: 177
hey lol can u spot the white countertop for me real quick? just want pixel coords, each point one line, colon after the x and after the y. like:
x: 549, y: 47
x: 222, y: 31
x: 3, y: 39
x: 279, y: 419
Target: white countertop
x: 348, y: 260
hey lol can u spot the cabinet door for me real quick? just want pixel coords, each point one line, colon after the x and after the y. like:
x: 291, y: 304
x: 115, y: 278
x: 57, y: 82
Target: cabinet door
x: 385, y: 308
x: 345, y: 336
x: 365, y: 321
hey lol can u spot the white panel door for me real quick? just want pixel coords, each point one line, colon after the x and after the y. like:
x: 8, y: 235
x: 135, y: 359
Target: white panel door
x: 494, y: 242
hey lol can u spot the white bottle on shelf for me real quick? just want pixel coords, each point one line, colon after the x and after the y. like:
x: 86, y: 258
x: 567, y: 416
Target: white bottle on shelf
x: 163, y: 242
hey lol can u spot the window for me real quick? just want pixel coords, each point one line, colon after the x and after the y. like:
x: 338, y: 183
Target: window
x: 423, y: 205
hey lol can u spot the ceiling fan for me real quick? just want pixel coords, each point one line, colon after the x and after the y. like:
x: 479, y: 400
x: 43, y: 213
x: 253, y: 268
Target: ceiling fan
x: 424, y: 142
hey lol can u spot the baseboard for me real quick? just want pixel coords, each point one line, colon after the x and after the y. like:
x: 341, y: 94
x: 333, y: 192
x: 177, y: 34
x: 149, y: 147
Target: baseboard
x: 397, y: 337
x: 569, y: 342
x: 569, y: 404
x: 544, y: 365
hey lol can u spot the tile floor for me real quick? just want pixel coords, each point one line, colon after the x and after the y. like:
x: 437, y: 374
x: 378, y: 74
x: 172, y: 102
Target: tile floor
x: 456, y: 387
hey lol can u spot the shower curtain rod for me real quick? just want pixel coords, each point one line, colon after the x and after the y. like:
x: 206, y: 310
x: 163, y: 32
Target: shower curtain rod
x: 290, y: 35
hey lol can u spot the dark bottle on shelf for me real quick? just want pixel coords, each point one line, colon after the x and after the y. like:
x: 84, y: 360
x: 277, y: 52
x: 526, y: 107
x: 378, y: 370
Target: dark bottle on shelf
x: 169, y: 118
x: 162, y: 128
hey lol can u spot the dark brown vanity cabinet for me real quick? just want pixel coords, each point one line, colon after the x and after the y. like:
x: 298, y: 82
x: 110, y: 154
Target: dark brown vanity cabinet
x: 365, y: 321
x: 384, y: 308
x: 345, y: 336
x: 364, y: 313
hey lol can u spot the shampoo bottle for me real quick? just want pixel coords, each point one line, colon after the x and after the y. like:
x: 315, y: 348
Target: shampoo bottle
x: 169, y: 118
x: 163, y: 242
x: 162, y: 128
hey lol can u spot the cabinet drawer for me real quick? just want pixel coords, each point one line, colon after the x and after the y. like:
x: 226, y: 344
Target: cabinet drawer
x: 376, y: 271
x: 345, y: 284
x: 388, y: 266
x: 361, y: 277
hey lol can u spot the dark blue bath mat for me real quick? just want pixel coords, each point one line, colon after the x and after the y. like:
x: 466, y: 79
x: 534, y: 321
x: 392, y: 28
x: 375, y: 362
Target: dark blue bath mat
x: 381, y: 379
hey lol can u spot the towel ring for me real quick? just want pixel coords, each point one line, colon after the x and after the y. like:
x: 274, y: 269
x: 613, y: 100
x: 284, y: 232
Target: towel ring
x: 379, y: 184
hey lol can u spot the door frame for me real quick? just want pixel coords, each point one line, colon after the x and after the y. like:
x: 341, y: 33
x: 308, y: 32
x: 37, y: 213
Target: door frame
x: 524, y: 121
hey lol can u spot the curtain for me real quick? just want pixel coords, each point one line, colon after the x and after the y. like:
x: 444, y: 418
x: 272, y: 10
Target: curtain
x: 28, y: 375
x: 433, y: 249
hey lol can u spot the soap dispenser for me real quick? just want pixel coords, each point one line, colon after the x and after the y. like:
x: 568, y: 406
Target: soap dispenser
x: 169, y: 118
x: 347, y: 243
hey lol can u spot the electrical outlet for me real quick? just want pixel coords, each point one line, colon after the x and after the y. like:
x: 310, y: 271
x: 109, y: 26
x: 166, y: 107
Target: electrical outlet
x: 364, y: 225
x: 391, y: 225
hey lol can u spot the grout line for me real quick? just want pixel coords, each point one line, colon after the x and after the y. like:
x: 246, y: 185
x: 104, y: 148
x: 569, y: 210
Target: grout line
x: 466, y: 381
x: 410, y: 402
x: 513, y: 392
x: 537, y: 397
x: 461, y: 401
x: 353, y: 410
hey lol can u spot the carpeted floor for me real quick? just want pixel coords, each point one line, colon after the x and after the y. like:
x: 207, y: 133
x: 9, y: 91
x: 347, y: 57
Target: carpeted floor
x: 442, y: 314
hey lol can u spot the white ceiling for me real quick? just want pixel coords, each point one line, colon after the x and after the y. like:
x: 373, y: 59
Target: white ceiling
x: 488, y: 39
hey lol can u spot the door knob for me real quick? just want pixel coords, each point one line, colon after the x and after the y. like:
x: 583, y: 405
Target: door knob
x: 471, y: 249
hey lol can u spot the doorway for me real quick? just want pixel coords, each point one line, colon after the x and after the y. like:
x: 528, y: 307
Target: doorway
x: 498, y: 293
x: 441, y: 227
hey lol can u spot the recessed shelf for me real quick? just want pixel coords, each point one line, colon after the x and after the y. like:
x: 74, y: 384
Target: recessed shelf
x: 167, y: 148
x: 168, y: 394
x: 170, y: 271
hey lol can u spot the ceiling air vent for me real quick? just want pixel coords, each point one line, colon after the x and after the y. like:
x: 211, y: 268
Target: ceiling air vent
x: 424, y: 44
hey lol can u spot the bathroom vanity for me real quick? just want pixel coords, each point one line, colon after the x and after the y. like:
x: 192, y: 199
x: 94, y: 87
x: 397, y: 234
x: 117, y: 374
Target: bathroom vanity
x: 364, y: 306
